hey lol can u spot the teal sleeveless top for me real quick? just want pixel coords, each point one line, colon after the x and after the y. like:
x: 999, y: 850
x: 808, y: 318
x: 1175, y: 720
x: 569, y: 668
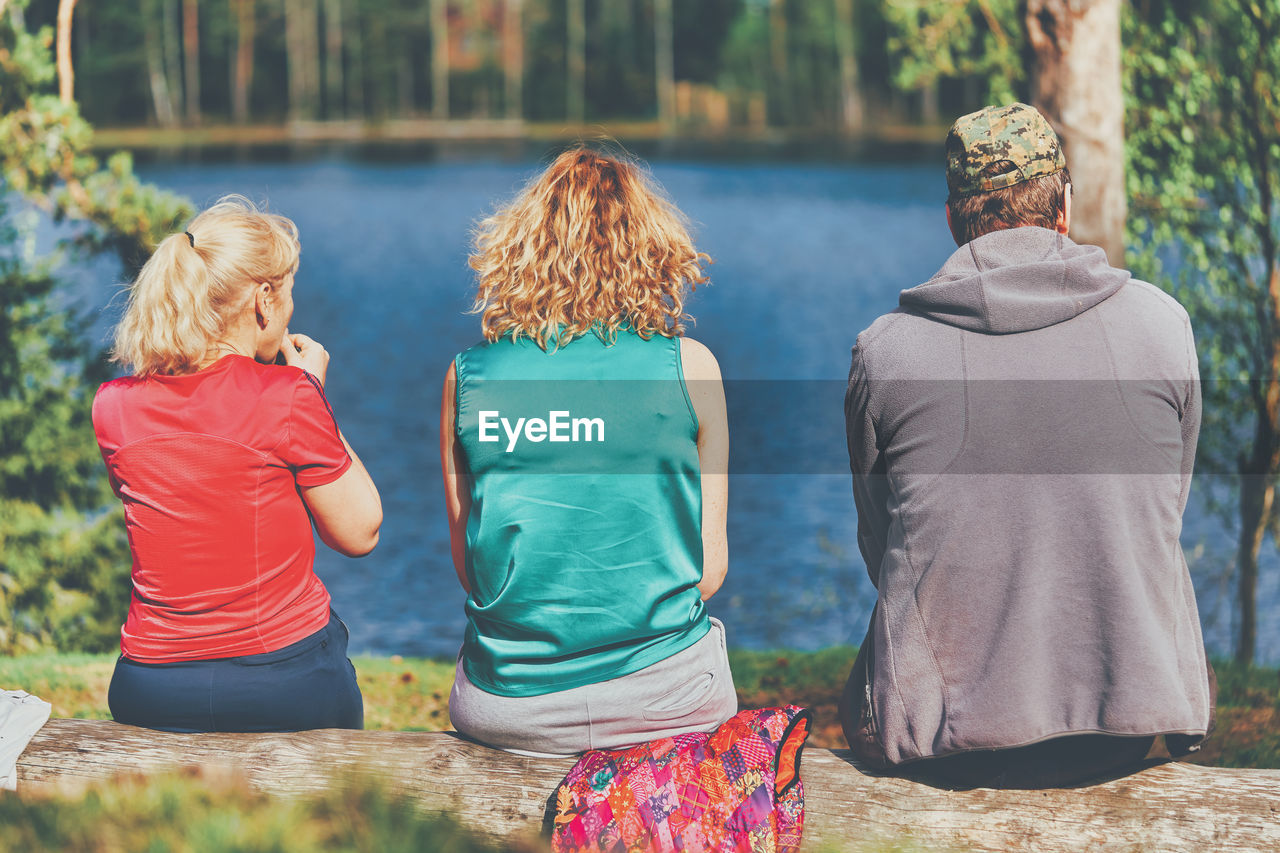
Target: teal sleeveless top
x: 584, y: 540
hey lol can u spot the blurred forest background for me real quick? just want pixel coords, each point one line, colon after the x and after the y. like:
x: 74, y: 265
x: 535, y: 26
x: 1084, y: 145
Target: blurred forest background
x: 697, y: 63
x: 1169, y: 112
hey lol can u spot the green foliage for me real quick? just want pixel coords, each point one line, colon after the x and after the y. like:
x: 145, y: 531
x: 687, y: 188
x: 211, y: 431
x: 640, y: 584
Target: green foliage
x: 190, y: 813
x: 63, y: 556
x: 747, y: 41
x: 984, y: 39
x: 61, y: 553
x: 46, y: 155
x: 1204, y: 177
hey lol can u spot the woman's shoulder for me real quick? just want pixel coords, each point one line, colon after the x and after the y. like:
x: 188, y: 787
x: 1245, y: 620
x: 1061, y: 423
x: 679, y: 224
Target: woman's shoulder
x: 697, y: 361
x: 250, y: 378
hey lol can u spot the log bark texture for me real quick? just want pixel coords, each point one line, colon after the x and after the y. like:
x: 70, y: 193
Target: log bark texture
x: 1166, y: 807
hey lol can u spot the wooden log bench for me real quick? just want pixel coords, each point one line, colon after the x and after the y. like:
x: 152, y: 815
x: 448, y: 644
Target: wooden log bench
x: 1171, y: 806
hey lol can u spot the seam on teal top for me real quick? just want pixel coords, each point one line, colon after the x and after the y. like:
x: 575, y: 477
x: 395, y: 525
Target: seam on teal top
x: 467, y: 568
x: 457, y: 392
x: 684, y: 386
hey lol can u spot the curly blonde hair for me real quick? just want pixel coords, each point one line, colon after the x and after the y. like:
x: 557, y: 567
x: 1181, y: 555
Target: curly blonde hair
x: 194, y: 286
x: 591, y: 244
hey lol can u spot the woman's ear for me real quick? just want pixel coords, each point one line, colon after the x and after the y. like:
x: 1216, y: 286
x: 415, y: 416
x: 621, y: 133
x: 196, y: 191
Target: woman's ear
x: 263, y: 304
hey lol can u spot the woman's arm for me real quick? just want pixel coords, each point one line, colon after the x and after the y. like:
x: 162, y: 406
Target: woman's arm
x: 706, y: 390
x: 347, y: 512
x: 457, y: 487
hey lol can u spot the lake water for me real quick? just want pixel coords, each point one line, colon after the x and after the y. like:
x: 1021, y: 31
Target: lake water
x: 805, y: 257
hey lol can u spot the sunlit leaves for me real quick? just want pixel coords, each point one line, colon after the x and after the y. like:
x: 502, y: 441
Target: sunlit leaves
x: 985, y: 39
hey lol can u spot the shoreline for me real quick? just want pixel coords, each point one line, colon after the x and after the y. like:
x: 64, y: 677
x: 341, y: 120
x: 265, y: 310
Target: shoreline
x: 401, y: 138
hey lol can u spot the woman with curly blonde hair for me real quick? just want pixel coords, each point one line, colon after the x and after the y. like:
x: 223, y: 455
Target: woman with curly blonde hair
x: 584, y: 445
x: 224, y: 459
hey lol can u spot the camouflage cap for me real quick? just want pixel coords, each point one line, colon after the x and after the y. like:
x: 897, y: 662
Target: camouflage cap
x: 1017, y: 133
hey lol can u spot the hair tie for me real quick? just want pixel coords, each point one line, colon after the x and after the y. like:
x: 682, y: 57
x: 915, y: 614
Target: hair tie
x: 190, y: 238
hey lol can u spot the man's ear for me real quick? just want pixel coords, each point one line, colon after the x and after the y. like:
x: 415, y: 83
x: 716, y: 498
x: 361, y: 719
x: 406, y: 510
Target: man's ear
x: 950, y: 227
x: 263, y: 303
x: 1063, y: 225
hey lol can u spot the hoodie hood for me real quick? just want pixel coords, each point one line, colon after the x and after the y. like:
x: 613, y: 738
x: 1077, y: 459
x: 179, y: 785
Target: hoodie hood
x: 1015, y: 280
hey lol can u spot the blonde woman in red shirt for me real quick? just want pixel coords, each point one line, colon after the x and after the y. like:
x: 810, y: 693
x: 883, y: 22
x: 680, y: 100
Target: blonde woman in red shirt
x: 223, y: 459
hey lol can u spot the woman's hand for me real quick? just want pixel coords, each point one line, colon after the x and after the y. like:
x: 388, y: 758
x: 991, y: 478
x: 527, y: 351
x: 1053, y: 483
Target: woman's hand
x: 307, y: 353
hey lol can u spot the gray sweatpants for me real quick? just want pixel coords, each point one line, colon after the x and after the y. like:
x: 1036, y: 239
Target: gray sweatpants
x: 691, y: 691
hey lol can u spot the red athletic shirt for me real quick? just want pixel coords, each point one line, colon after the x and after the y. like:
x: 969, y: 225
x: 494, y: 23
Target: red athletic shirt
x: 208, y: 466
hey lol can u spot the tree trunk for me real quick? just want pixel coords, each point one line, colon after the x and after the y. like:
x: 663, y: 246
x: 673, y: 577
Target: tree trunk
x: 293, y: 59
x: 1256, y: 497
x: 665, y: 62
x: 851, y: 106
x: 781, y: 111
x: 161, y: 97
x: 355, y: 67
x: 930, y: 113
x: 311, y: 54
x: 172, y: 46
x: 191, y: 57
x: 513, y: 58
x: 576, y: 95
x: 1078, y: 88
x: 243, y: 81
x: 302, y: 47
x: 439, y: 59
x: 66, y: 73
x: 333, y: 86
x: 406, y: 94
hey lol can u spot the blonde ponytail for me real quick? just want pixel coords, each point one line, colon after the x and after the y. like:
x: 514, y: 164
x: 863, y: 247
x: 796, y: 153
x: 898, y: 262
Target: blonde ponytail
x: 197, y: 282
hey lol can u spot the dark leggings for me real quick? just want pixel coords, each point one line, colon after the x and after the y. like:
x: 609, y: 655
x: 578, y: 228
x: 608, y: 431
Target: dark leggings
x: 307, y: 685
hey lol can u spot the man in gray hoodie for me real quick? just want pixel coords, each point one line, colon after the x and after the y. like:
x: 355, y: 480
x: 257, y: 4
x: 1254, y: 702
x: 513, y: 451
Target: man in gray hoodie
x: 1021, y: 432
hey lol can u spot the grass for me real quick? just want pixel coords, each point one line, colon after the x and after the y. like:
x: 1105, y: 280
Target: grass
x: 199, y: 812
x: 1248, y: 729
x: 412, y: 694
x: 812, y: 680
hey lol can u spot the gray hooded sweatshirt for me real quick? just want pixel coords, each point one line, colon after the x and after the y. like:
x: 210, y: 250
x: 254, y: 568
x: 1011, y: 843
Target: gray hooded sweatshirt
x: 1021, y: 432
